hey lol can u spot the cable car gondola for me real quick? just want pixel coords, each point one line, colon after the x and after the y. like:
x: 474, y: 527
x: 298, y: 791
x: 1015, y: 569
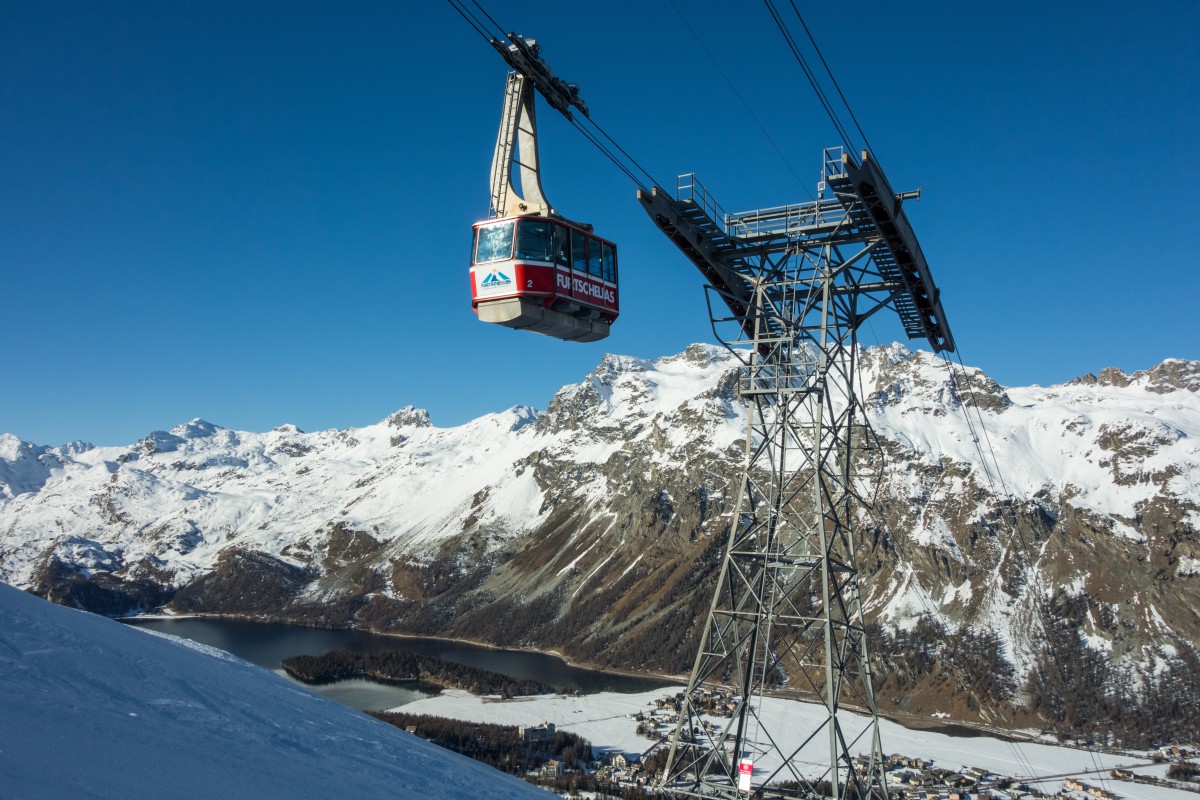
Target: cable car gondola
x: 531, y: 268
x: 545, y: 275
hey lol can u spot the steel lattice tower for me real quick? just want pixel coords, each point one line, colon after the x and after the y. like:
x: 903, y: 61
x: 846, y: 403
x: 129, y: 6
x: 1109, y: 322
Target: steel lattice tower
x: 794, y: 284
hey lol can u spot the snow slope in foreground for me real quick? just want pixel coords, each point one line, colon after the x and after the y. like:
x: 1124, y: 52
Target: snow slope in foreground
x: 92, y: 708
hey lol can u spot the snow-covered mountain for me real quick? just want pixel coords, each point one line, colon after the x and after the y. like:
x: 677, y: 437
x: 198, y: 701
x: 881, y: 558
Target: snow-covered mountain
x: 594, y: 527
x: 96, y: 709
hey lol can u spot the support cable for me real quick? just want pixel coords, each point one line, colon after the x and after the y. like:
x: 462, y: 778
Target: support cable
x: 829, y: 72
x: 741, y: 99
x: 1015, y: 532
x: 591, y: 130
x: 631, y: 162
x: 975, y: 439
x: 808, y: 73
x: 472, y: 20
x: 986, y: 437
x: 484, y: 11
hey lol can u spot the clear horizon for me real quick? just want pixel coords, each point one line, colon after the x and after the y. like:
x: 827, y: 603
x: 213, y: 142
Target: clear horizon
x: 433, y: 417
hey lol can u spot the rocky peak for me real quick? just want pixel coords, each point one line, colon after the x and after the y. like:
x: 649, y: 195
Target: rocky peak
x: 974, y: 388
x: 582, y: 403
x: 76, y: 447
x: 196, y: 429
x: 522, y: 416
x: 925, y: 381
x: 574, y: 405
x: 25, y: 466
x: 886, y: 356
x: 1109, y: 376
x: 700, y: 355
x: 13, y: 448
x: 159, y: 442
x: 410, y: 417
x: 1174, y: 374
x: 612, y: 366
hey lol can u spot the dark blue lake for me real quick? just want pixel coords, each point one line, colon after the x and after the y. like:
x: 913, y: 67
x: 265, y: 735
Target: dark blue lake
x: 268, y: 644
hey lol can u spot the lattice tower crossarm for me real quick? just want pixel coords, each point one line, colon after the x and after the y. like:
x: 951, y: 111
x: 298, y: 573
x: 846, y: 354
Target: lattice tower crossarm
x: 793, y: 285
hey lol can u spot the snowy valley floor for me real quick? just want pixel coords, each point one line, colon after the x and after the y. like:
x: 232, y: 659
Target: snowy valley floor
x: 605, y: 720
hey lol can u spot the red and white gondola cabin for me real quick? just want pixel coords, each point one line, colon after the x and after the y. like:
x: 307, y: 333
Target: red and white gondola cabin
x: 545, y: 275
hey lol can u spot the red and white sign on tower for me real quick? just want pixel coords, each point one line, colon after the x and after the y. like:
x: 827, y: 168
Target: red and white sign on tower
x: 745, y: 772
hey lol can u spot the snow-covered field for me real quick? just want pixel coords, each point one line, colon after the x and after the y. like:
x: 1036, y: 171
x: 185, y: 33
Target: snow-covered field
x: 90, y: 708
x: 604, y: 720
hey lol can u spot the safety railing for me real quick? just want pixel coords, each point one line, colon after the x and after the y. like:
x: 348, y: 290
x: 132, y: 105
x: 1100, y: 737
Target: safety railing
x: 688, y: 189
x: 786, y: 220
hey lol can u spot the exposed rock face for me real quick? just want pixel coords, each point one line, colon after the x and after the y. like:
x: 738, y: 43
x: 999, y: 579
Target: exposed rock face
x: 595, y: 527
x: 1169, y: 376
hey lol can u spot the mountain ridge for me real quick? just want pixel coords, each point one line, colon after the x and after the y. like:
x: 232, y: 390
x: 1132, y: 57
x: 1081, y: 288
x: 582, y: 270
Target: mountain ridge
x: 595, y: 527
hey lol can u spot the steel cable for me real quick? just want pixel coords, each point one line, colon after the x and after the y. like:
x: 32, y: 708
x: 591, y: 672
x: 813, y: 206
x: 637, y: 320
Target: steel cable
x: 808, y: 73
x: 829, y: 72
x: 613, y: 151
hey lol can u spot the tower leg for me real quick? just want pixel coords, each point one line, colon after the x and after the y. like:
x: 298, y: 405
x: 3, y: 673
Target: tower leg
x: 786, y: 616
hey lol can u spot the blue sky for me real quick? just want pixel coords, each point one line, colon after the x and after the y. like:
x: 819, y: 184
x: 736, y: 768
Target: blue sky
x: 260, y: 213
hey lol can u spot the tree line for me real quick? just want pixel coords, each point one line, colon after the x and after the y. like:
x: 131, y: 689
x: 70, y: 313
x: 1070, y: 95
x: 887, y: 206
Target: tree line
x: 401, y: 666
x: 1084, y: 695
x: 499, y: 746
x: 1079, y: 692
